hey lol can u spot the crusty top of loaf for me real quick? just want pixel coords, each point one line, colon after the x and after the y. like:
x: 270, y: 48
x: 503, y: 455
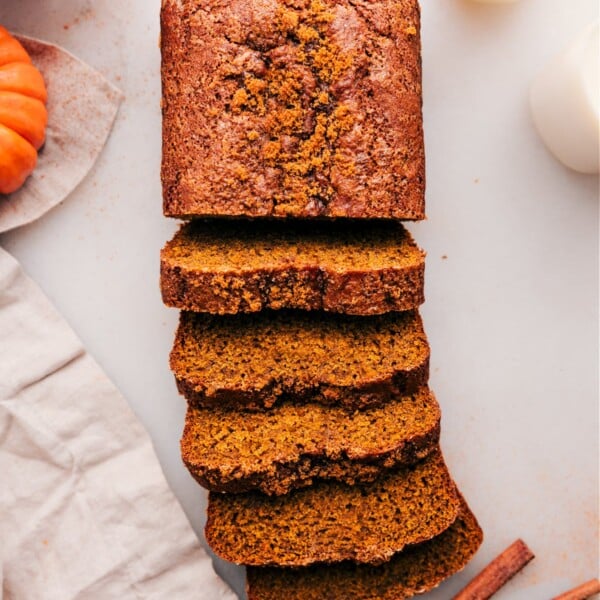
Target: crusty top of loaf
x: 292, y: 108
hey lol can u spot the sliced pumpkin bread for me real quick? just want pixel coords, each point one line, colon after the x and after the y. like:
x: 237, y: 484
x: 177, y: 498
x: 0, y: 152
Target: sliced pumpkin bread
x: 416, y: 570
x: 332, y: 521
x: 352, y: 267
x: 291, y: 445
x: 255, y: 360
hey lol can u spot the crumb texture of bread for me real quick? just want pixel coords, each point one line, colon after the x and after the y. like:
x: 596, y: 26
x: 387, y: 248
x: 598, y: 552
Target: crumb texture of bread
x: 333, y: 522
x: 257, y: 360
x: 352, y: 267
x: 414, y: 571
x: 291, y: 446
x: 302, y: 108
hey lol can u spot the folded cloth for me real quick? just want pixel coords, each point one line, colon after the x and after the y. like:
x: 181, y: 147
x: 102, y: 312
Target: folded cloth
x: 85, y: 511
x: 82, y: 106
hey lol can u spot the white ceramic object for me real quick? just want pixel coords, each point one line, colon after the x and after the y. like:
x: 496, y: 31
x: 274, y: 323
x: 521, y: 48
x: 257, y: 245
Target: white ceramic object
x: 565, y: 103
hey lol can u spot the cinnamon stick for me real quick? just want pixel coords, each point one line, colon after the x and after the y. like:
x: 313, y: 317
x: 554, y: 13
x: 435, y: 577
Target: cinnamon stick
x: 497, y: 573
x: 582, y: 592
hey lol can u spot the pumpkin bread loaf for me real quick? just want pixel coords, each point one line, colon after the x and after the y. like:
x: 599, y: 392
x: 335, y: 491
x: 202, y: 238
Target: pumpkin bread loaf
x: 289, y: 446
x: 304, y: 108
x: 414, y: 571
x: 353, y: 267
x: 255, y: 360
x: 332, y: 521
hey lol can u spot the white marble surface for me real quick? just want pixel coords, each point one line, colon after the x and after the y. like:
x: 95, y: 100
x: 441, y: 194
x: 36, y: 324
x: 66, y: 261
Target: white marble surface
x: 512, y: 278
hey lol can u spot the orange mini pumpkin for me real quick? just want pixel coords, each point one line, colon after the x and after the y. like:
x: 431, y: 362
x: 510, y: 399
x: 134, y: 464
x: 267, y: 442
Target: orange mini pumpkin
x: 23, y: 115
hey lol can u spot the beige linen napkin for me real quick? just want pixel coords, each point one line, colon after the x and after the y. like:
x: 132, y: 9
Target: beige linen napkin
x: 82, y: 106
x: 85, y: 511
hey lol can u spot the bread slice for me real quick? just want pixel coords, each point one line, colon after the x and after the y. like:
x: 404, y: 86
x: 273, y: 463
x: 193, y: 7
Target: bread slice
x: 303, y: 109
x: 256, y: 360
x: 332, y: 522
x: 291, y: 445
x: 354, y: 268
x: 416, y: 570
